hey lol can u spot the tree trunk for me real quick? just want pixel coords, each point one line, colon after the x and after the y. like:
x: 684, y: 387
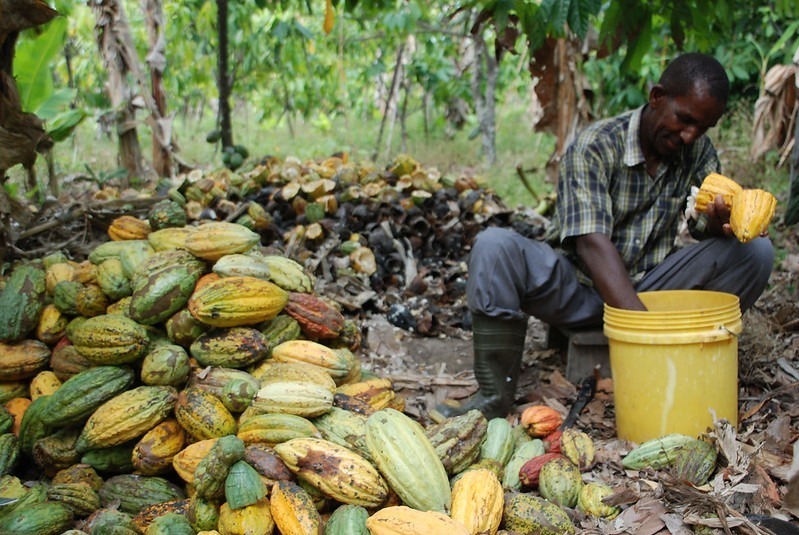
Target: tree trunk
x: 559, y: 92
x: 390, y: 98
x: 156, y: 60
x: 792, y: 212
x: 484, y: 85
x: 22, y: 134
x: 113, y: 32
x: 223, y: 76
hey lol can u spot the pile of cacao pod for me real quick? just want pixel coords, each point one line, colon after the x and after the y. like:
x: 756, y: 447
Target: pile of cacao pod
x: 182, y: 379
x: 370, y: 220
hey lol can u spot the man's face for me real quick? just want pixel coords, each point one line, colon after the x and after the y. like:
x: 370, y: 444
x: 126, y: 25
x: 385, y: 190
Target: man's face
x: 679, y: 121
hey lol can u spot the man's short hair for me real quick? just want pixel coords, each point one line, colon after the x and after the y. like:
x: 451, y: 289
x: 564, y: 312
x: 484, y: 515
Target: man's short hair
x: 684, y: 72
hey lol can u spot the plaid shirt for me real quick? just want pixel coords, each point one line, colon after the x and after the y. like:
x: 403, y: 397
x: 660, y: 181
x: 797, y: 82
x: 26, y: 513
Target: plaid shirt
x: 604, y: 187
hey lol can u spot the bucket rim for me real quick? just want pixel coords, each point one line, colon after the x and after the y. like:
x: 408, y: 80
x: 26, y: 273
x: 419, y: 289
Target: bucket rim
x: 733, y: 304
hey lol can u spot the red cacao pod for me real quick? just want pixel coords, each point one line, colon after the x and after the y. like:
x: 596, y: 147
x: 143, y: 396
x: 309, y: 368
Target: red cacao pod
x: 530, y: 471
x: 317, y: 317
x: 552, y: 441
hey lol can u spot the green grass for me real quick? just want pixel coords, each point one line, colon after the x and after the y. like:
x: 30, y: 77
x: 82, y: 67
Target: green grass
x: 516, y: 142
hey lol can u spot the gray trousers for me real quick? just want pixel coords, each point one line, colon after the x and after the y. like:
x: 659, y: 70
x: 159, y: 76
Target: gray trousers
x: 511, y: 276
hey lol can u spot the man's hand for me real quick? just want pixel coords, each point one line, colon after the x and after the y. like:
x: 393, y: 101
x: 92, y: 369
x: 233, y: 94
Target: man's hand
x: 718, y: 218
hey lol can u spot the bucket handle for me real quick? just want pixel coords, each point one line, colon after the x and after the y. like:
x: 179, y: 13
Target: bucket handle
x: 725, y: 328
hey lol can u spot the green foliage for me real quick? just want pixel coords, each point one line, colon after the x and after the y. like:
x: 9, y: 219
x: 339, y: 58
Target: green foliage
x: 32, y: 64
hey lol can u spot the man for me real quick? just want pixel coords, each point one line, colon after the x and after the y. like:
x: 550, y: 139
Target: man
x: 622, y: 187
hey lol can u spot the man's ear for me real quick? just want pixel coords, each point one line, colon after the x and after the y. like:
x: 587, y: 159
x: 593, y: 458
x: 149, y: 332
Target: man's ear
x: 657, y: 95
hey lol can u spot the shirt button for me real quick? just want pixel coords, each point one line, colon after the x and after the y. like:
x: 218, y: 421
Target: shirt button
x: 637, y: 241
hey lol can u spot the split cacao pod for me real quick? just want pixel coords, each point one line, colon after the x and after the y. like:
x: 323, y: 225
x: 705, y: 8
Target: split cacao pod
x: 713, y: 185
x: 752, y: 211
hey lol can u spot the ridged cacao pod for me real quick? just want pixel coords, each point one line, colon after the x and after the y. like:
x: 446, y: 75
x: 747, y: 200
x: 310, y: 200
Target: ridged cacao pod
x: 540, y: 420
x: 127, y: 227
x: 402, y: 520
x: 477, y: 502
x: 213, y: 240
x: 254, y: 519
x: 153, y: 454
x: 288, y: 274
x: 713, y: 185
x: 579, y: 448
x: 127, y: 416
x: 408, y: 461
x: 339, y: 363
x: 292, y: 509
x: 237, y: 301
x: 317, y: 317
x: 203, y: 415
x: 560, y: 482
x: 590, y: 501
x: 530, y: 472
x: 336, y: 471
x: 457, y: 440
x: 525, y: 513
x: 751, y: 213
x: 656, y: 453
x: 695, y: 462
x: 521, y: 455
x: 234, y: 347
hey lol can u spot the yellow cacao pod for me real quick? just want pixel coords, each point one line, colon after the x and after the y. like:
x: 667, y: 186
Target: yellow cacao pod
x: 335, y: 470
x: 212, y: 241
x: 590, y: 501
x: 714, y: 185
x: 253, y: 519
x: 477, y: 501
x: 44, y: 384
x: 293, y: 510
x: 402, y: 520
x: 751, y: 213
x: 237, y: 301
x: 127, y: 227
x: 578, y: 447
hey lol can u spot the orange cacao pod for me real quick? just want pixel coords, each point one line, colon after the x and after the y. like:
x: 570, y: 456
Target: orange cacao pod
x: 540, y: 420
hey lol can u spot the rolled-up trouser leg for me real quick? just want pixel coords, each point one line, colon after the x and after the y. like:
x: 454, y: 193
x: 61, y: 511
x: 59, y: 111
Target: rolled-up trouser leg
x: 718, y: 264
x: 511, y: 276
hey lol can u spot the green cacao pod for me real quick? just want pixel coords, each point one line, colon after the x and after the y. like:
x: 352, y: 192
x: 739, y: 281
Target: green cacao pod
x: 656, y: 453
x: 21, y: 301
x: 457, y: 440
x: 560, y: 482
x: 408, y: 461
x: 525, y: 513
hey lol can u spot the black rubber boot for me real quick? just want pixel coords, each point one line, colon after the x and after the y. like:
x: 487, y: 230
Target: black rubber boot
x: 498, y: 349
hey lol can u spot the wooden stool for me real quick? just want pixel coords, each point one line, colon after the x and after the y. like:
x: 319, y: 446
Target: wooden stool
x: 584, y: 350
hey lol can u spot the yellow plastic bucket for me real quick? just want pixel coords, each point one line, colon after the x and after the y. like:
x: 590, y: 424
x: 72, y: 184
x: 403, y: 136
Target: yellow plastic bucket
x: 675, y: 364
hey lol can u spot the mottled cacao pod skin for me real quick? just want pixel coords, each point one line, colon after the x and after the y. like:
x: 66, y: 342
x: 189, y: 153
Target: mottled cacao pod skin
x: 317, y: 317
x: 530, y: 471
x: 579, y: 448
x: 590, y: 501
x: 695, y: 462
x: 560, y: 482
x: 457, y: 440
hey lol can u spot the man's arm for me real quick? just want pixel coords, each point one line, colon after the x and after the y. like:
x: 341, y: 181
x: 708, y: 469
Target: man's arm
x: 606, y: 269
